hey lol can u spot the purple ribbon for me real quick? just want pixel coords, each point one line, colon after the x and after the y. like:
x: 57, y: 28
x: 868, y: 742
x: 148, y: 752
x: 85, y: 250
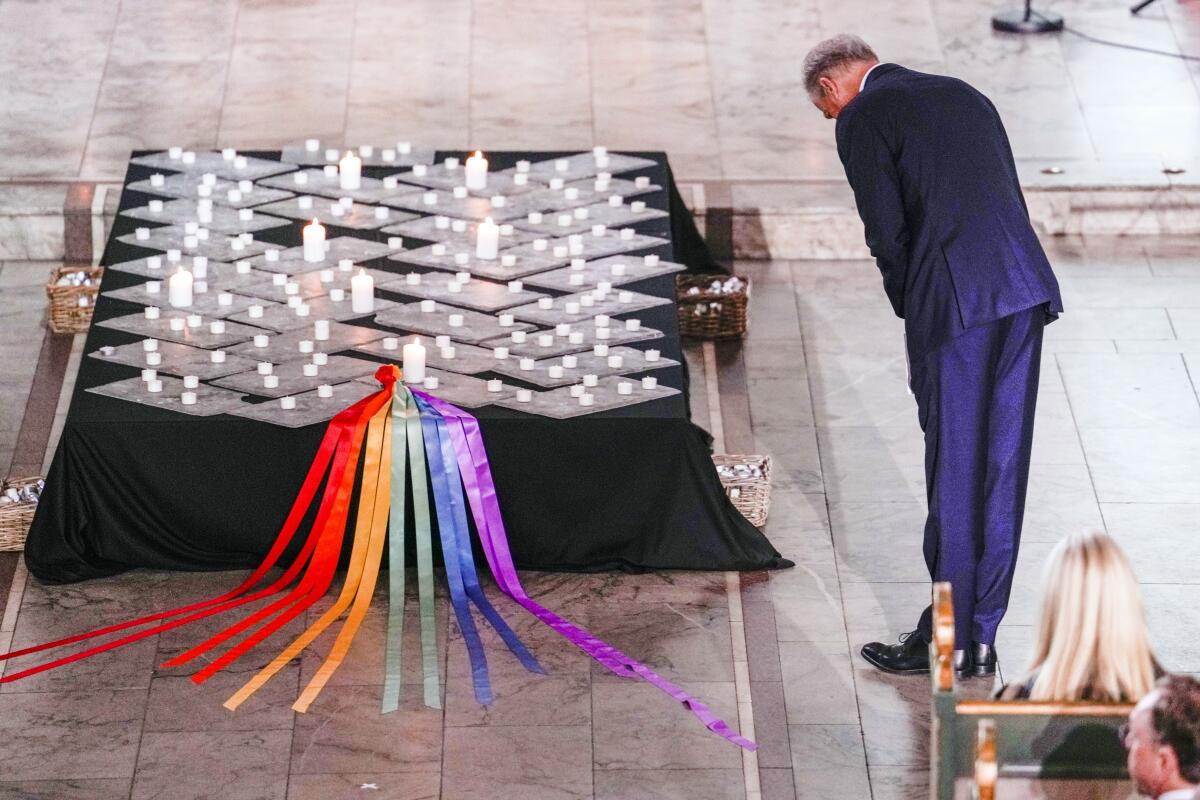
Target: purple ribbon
x: 481, y: 492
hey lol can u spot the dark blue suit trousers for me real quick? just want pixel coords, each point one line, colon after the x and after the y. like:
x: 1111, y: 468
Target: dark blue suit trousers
x: 975, y: 399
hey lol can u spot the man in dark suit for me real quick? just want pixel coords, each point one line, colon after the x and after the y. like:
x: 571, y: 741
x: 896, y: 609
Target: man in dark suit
x: 936, y: 187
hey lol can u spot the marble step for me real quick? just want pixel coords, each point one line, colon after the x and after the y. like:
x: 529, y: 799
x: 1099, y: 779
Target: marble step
x: 741, y: 219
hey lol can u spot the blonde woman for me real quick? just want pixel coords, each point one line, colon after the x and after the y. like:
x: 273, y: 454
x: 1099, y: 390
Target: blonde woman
x: 1092, y: 642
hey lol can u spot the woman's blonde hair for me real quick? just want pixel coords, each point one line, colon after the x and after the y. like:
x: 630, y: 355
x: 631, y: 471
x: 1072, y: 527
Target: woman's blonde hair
x: 1092, y: 641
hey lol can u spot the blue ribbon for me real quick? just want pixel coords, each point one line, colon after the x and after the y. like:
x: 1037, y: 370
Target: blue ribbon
x: 447, y: 531
x: 466, y: 556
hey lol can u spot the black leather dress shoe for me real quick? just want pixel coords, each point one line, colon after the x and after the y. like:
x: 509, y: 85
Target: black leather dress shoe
x: 909, y: 657
x: 983, y: 660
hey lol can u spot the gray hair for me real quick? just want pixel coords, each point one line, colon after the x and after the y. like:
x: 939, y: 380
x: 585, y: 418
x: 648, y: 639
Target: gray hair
x: 831, y: 55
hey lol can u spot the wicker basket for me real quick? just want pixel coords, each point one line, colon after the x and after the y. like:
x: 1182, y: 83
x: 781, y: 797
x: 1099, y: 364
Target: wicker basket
x: 15, y: 518
x: 749, y: 495
x: 71, y: 306
x: 707, y: 314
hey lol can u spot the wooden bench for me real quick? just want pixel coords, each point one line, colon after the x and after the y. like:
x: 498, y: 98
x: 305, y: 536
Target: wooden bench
x: 987, y: 740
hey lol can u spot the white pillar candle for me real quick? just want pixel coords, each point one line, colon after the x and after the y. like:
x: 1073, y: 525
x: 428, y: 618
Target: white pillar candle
x: 413, y: 361
x: 350, y: 172
x: 477, y: 172
x: 314, y: 242
x: 362, y: 293
x: 179, y: 289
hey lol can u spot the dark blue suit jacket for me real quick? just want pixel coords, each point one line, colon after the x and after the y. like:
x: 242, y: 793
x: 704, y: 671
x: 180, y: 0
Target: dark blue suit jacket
x: 936, y: 187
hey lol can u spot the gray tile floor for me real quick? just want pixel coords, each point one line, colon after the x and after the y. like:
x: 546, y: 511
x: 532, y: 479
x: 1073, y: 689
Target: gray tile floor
x: 1118, y: 447
x: 719, y: 80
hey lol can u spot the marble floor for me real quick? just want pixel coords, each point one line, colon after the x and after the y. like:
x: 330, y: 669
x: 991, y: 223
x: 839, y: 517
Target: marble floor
x: 819, y: 384
x: 714, y: 82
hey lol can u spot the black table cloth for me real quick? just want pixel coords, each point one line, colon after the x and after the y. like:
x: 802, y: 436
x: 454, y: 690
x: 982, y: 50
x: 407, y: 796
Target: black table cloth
x: 137, y: 486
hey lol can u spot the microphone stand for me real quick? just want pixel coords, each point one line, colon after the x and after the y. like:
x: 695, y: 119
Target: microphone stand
x: 1030, y: 21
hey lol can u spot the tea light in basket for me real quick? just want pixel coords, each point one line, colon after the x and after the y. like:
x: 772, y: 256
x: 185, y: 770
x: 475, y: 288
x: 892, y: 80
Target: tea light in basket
x: 179, y: 289
x: 153, y: 359
x: 217, y: 356
x: 154, y: 386
x: 314, y: 242
x: 624, y: 387
x: 362, y: 293
x: 325, y: 391
x: 287, y: 403
x: 649, y: 382
x: 495, y: 385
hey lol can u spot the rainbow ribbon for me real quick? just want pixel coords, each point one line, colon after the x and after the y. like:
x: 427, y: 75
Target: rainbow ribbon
x: 417, y: 452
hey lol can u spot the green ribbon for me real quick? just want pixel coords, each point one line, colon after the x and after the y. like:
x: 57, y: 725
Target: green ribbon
x: 393, y: 664
x: 424, y: 534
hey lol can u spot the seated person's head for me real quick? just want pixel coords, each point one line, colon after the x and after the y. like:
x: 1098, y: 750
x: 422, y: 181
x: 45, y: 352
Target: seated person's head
x: 1163, y: 737
x: 1092, y: 640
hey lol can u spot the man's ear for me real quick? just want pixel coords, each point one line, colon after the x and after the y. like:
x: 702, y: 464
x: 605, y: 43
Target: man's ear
x: 1167, y: 759
x: 828, y: 87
